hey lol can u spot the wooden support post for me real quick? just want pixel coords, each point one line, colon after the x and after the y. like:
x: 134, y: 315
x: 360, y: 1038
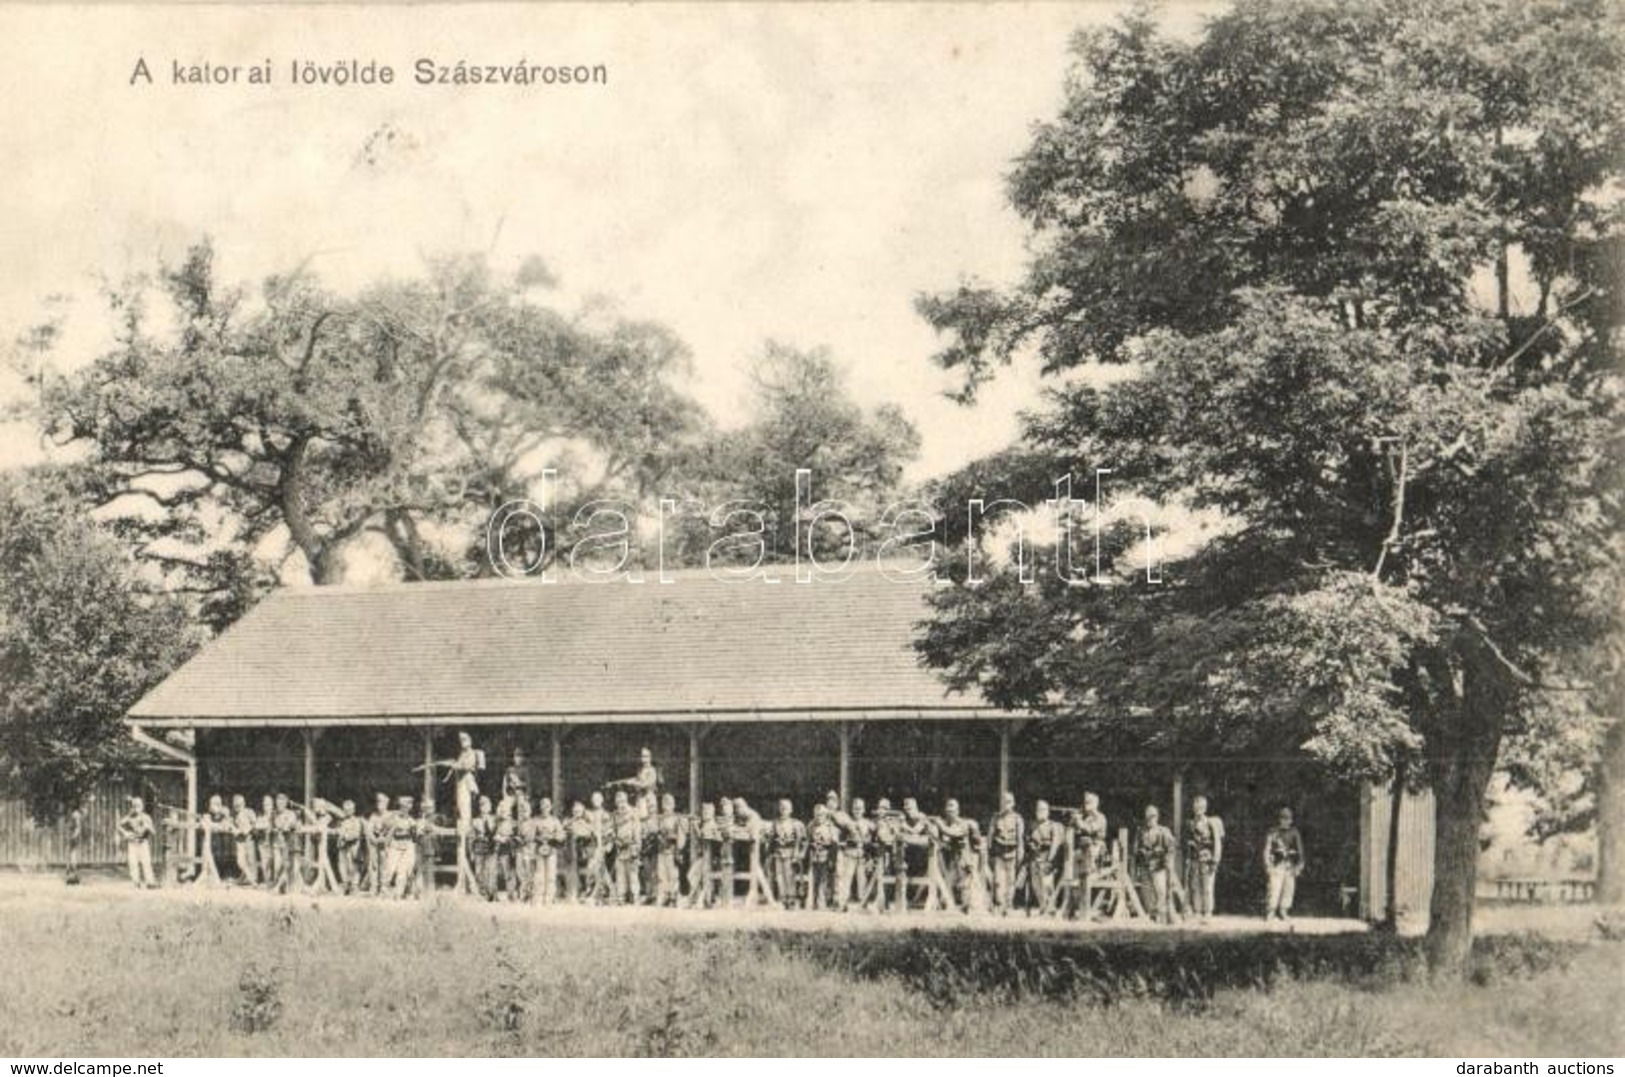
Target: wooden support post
x: 428, y: 763
x: 1004, y: 759
x: 1178, y: 826
x: 310, y: 736
x: 844, y: 784
x: 556, y: 769
x: 191, y: 800
x: 696, y: 734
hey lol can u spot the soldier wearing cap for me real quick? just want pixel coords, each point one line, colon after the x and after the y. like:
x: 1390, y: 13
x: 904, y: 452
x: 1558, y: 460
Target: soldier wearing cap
x: 600, y: 817
x: 1089, y: 829
x: 1044, y: 845
x: 320, y: 830
x: 1154, y: 848
x: 915, y: 834
x: 242, y: 840
x: 374, y: 835
x: 214, y: 816
x: 1007, y: 837
x: 516, y: 780
x: 672, y: 841
x: 547, y: 843
x: 524, y: 848
x: 957, y: 838
x: 285, y: 846
x: 349, y: 829
x: 787, y: 844
x: 705, y: 841
x: 401, y: 856
x: 886, y: 857
x: 1204, y: 844
x: 481, y: 836
x: 505, y: 852
x: 264, y: 854
x: 1283, y: 863
x: 856, y: 831
x: 823, y: 846
x: 580, y: 852
x: 626, y: 837
x: 136, y: 829
x: 727, y: 851
x: 426, y: 830
x: 75, y: 838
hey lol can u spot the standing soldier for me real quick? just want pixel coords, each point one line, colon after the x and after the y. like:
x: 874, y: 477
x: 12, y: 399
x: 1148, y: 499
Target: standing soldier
x: 626, y: 836
x: 915, y: 833
x: 823, y: 846
x: 1090, y: 830
x: 751, y: 834
x: 480, y: 836
x: 886, y: 857
x: 547, y: 840
x: 705, y: 841
x: 470, y: 760
x: 427, y: 832
x: 1204, y: 844
x: 264, y: 852
x: 1044, y: 844
x: 727, y: 851
x: 284, y: 838
x: 401, y: 854
x: 242, y: 840
x: 136, y: 830
x: 1283, y: 863
x: 376, y: 838
x: 524, y: 848
x: 320, y: 830
x: 646, y: 784
x: 75, y: 838
x: 856, y: 831
x: 516, y: 780
x: 505, y: 852
x: 672, y: 840
x: 1154, y: 854
x: 214, y: 817
x: 1006, y: 838
x: 349, y: 843
x: 787, y: 843
x: 956, y: 841
x: 580, y: 851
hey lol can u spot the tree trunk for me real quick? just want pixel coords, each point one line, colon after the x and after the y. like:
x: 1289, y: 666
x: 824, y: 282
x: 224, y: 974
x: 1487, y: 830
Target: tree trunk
x: 1396, y: 801
x: 1462, y: 769
x: 1611, y: 816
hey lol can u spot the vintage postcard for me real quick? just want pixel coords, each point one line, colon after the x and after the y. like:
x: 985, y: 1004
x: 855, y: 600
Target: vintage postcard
x: 876, y: 530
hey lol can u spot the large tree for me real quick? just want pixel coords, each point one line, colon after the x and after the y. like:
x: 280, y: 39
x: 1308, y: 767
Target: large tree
x: 803, y: 416
x: 294, y: 418
x: 1362, y: 263
x: 81, y: 639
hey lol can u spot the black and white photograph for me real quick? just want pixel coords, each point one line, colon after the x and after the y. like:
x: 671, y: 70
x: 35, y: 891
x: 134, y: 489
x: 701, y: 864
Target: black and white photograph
x: 1070, y: 530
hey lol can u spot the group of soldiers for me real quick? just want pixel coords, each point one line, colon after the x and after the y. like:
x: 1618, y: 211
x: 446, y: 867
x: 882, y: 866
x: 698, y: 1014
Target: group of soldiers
x: 636, y: 847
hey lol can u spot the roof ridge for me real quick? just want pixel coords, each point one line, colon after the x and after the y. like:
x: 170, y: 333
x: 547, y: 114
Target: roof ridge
x: 868, y: 568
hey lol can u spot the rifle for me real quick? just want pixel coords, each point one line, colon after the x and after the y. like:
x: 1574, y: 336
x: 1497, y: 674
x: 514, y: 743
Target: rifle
x: 449, y: 764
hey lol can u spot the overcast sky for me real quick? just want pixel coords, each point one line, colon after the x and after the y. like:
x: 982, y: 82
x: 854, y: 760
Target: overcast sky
x: 777, y: 171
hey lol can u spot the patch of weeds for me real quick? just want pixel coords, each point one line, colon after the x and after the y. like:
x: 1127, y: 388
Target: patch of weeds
x: 675, y: 1030
x: 505, y: 1001
x: 259, y: 1000
x: 1518, y: 957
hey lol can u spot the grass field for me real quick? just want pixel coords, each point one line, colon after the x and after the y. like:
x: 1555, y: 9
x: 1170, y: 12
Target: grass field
x: 117, y: 973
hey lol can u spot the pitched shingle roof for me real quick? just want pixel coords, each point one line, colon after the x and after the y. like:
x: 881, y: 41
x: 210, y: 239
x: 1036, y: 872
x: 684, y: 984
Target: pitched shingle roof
x: 694, y: 648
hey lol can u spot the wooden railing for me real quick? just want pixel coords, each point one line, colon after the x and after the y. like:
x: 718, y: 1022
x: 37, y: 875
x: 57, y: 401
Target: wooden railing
x: 1542, y: 891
